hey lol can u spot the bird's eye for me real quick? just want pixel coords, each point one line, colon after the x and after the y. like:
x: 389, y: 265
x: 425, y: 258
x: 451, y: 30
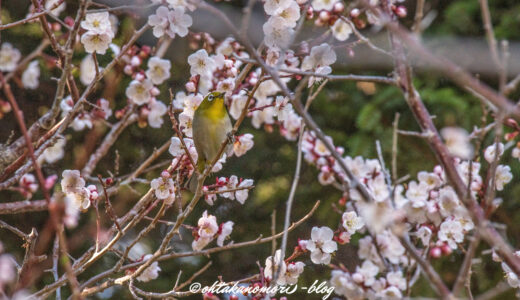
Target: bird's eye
x: 210, y: 98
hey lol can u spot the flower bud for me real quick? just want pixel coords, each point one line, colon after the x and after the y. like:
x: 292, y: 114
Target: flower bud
x: 355, y: 13
x: 435, y: 252
x: 190, y: 87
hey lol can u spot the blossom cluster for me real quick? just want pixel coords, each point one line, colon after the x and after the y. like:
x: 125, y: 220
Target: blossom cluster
x: 208, y: 229
x: 77, y: 196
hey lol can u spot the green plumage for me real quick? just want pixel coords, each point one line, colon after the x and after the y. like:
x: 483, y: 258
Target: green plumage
x: 211, y: 126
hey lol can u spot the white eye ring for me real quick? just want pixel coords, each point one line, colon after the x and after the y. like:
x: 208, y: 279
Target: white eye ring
x: 210, y: 98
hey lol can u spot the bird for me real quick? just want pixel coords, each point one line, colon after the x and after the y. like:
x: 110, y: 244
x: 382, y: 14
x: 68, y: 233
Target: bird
x: 211, y: 127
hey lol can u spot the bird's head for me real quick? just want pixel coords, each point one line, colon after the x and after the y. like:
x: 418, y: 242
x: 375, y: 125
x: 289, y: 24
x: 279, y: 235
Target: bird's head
x: 212, y: 100
x: 212, y: 106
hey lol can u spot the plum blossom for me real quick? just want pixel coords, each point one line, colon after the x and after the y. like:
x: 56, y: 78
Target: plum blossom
x: 200, y: 63
x: 243, y: 144
x: 323, y: 4
x: 396, y: 279
x: 458, y: 142
x: 176, y: 149
x: 9, y: 57
x: 275, y: 265
x: 171, y: 22
x: 164, y: 188
x: 503, y: 176
x: 150, y: 273
x: 55, y: 152
x: 225, y: 231
x: 319, y: 61
x: 276, y: 33
x: 294, y: 269
x: 238, y: 101
x: 72, y: 181
x: 98, y: 23
x: 289, y: 14
x: 497, y: 149
x: 87, y: 70
x: 351, y: 222
x: 207, y: 226
x: 158, y: 70
x: 81, y: 122
x: 58, y: 9
x: 31, y: 75
x: 96, y: 42
x: 451, y: 232
x: 321, y: 245
x: 242, y: 195
x: 139, y: 91
x: 341, y: 30
x: 366, y: 274
x: 8, y: 272
x: 156, y: 113
x: 271, y: 7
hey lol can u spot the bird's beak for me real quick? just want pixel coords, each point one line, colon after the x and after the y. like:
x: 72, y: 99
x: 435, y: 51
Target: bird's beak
x: 221, y: 94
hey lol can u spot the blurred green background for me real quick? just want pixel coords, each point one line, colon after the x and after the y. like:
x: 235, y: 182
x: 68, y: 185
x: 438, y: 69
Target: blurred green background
x: 354, y: 116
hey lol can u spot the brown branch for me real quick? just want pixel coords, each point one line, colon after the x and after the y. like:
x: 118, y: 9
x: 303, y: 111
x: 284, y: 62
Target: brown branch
x: 19, y: 207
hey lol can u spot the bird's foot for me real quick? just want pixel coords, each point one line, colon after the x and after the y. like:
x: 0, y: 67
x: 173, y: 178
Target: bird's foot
x: 230, y: 138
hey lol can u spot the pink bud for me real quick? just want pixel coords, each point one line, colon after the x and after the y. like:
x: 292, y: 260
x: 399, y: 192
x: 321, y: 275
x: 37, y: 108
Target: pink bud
x: 446, y: 250
x: 355, y: 13
x: 135, y: 61
x: 128, y: 70
x: 324, y: 16
x: 155, y: 91
x: 190, y: 87
x: 50, y: 181
x: 436, y: 252
x: 165, y: 174
x: 358, y: 278
x: 400, y: 11
x: 139, y: 77
x: 338, y: 7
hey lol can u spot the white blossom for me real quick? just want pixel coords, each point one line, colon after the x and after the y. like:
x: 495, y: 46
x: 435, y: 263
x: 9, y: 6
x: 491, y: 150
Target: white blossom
x: 341, y: 30
x: 243, y: 144
x: 207, y: 225
x: 241, y: 195
x: 158, y: 70
x: 457, y: 141
x: 155, y: 116
x: 275, y: 265
x: 71, y: 181
x: 321, y: 245
x: 225, y: 231
x: 491, y: 152
x: 163, y: 187
x: 294, y: 269
x: 97, y: 42
x: 9, y: 57
x: 31, y: 75
x: 273, y: 6
x: 139, y: 91
x: 98, y: 23
x: 451, y: 232
x: 276, y: 33
x: 503, y: 176
x: 171, y: 22
x: 151, y: 272
x: 368, y: 272
x: 290, y: 14
x: 351, y: 222
x: 201, y: 63
x: 55, y: 152
x: 323, y: 4
x: 87, y: 70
